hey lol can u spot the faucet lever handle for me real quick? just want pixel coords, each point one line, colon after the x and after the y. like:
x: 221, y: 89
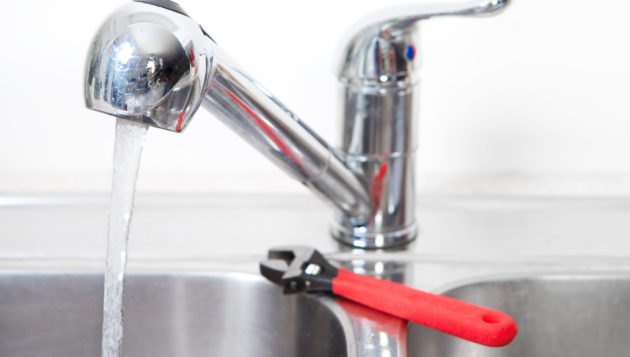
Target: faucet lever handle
x: 382, y: 43
x: 401, y: 17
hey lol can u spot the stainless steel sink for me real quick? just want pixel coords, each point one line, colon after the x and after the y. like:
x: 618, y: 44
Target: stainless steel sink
x: 51, y: 289
x: 59, y: 314
x: 558, y: 315
x: 240, y: 314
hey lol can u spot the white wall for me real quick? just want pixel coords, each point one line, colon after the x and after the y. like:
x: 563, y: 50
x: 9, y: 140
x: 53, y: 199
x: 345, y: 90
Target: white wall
x: 534, y: 101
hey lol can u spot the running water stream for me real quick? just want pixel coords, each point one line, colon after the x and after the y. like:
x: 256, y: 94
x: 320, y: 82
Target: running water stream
x: 127, y: 152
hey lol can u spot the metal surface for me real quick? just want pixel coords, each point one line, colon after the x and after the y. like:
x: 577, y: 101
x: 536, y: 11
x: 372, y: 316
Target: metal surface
x: 147, y: 64
x: 376, y: 334
x: 378, y: 85
x: 576, y: 313
x: 464, y: 238
x: 558, y: 315
x: 157, y: 66
x: 59, y: 314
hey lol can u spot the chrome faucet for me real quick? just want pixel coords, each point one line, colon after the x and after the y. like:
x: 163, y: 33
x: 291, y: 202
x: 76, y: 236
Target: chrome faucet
x: 151, y: 63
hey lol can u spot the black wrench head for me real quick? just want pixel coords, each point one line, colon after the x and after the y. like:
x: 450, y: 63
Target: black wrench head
x: 286, y: 266
x: 285, y: 261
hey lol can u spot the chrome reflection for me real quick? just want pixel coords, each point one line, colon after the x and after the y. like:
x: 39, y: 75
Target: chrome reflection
x: 151, y: 63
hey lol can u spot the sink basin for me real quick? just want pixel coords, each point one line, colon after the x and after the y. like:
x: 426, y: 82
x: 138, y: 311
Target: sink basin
x: 241, y: 314
x: 59, y: 314
x: 558, y: 315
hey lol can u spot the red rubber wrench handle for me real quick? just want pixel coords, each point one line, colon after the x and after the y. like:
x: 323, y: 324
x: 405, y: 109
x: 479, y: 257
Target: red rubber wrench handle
x: 455, y: 317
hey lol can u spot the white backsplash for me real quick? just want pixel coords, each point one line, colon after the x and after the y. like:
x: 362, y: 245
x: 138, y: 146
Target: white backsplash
x: 532, y: 102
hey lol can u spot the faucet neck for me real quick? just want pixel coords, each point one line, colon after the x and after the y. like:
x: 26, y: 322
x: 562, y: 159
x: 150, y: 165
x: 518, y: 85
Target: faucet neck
x: 378, y: 86
x: 378, y: 114
x: 270, y: 127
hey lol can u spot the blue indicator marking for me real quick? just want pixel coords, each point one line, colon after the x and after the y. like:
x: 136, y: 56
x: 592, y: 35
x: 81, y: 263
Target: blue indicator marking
x: 410, y: 52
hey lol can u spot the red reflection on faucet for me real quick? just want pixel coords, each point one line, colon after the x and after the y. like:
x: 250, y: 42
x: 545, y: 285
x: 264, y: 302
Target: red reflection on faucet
x: 179, y: 122
x: 377, y: 185
x: 191, y: 58
x: 281, y: 146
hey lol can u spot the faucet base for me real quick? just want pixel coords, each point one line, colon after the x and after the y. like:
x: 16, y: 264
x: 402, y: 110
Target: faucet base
x: 360, y: 237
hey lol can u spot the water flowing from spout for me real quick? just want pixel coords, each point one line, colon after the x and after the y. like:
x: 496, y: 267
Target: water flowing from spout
x: 127, y: 152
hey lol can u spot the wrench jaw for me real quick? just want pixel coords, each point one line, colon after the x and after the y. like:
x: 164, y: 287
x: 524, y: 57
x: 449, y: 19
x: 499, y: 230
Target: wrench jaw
x: 298, y: 269
x: 273, y: 270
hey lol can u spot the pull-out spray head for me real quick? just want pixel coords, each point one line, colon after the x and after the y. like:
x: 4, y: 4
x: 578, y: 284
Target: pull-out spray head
x: 148, y: 63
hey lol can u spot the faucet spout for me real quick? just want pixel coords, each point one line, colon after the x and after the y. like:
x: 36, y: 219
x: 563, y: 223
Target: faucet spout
x: 153, y: 64
x: 265, y: 123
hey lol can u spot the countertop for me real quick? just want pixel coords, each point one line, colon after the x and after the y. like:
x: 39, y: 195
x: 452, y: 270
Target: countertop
x: 215, y: 226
